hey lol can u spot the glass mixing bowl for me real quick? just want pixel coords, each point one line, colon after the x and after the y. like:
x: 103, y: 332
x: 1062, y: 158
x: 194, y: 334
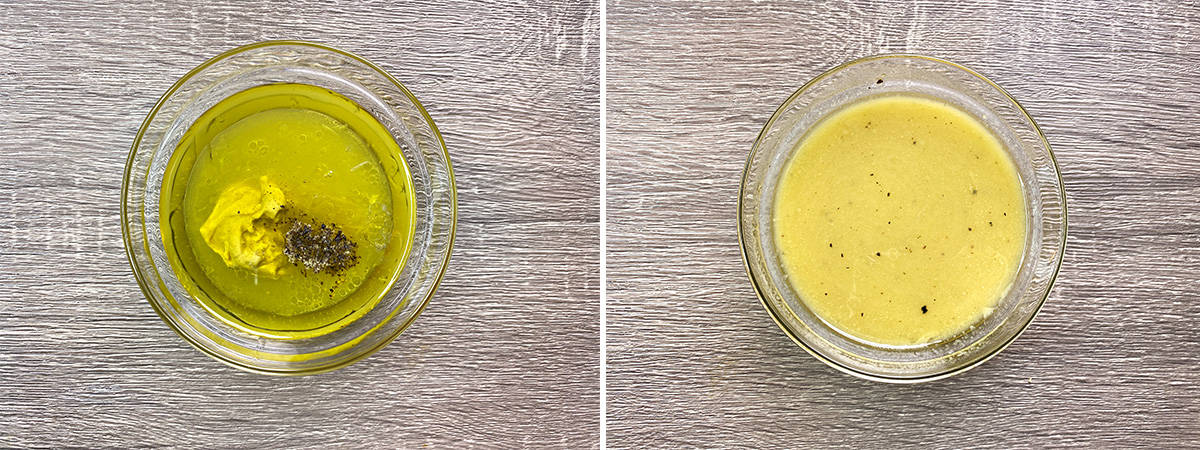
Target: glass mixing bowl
x: 1045, y: 203
x: 376, y: 92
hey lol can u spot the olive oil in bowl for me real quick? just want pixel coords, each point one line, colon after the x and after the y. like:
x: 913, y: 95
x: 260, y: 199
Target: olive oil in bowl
x: 287, y: 210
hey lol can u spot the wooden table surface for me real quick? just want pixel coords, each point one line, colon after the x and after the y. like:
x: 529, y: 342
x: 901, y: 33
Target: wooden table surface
x: 1113, y: 360
x: 505, y: 355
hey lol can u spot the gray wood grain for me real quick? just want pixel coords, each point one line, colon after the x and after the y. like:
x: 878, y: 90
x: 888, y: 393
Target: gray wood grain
x: 505, y: 355
x: 1112, y: 361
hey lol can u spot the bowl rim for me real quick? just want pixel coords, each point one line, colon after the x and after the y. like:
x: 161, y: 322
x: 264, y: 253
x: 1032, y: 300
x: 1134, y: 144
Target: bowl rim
x: 141, y: 277
x: 775, y: 315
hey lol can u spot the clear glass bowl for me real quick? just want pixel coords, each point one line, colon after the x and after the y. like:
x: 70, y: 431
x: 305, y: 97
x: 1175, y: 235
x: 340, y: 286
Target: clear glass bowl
x: 1045, y: 203
x: 376, y: 92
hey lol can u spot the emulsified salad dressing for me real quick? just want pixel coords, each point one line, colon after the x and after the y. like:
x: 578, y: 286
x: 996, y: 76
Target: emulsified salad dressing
x: 900, y: 220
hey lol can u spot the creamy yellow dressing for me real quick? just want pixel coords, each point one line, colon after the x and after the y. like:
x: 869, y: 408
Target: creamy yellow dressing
x: 900, y: 220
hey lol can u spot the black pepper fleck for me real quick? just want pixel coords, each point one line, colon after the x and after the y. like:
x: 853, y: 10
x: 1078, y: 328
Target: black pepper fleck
x: 924, y: 309
x: 879, y: 81
x: 877, y: 254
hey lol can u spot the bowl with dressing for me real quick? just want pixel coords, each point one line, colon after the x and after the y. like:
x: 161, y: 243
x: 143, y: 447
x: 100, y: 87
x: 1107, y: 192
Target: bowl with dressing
x: 902, y: 218
x: 288, y: 208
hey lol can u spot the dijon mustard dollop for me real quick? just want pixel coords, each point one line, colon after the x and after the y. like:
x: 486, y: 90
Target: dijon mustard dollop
x: 242, y: 227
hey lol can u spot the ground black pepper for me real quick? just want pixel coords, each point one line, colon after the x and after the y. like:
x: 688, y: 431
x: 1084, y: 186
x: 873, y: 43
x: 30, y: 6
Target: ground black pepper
x: 321, y: 248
